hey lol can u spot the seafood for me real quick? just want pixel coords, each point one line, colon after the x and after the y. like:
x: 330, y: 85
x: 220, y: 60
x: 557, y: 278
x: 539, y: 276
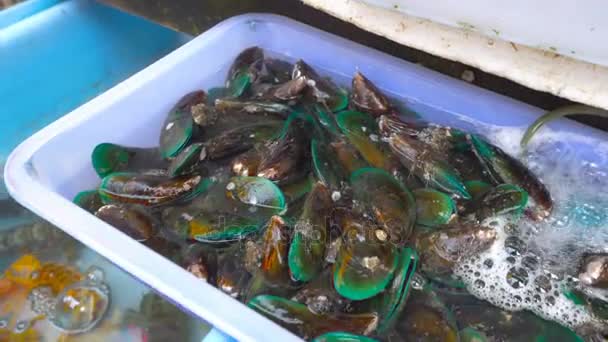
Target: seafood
x: 334, y: 214
x: 109, y: 158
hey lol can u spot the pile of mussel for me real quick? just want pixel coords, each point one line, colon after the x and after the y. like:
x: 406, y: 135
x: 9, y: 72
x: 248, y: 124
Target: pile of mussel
x: 325, y: 210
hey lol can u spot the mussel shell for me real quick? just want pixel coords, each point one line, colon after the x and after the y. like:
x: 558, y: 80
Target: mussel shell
x: 307, y: 249
x: 239, y: 139
x: 427, y: 318
x: 88, y: 200
x: 500, y: 325
x: 324, y: 164
x: 501, y: 200
x: 240, y: 75
x: 320, y: 295
x: 390, y: 124
x: 298, y: 319
x: 392, y: 301
x: 260, y: 108
x: 502, y: 168
x: 379, y: 194
x: 108, y: 158
x: 130, y: 219
x: 594, y: 271
x: 427, y: 165
x: 229, y: 211
x: 360, y: 129
x: 442, y: 248
x: 285, y: 159
x: 433, y: 208
x: 339, y: 336
x: 324, y: 90
x: 477, y: 188
x: 298, y: 190
x: 367, y: 97
x: 149, y: 190
x: 366, y: 261
x: 246, y: 164
x: 275, y: 246
x: 178, y: 128
x: 186, y: 161
x: 232, y: 277
x: 201, y: 261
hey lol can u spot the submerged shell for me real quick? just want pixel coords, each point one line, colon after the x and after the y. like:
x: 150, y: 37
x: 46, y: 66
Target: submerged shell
x: 186, y: 161
x: 88, y: 200
x: 387, y: 200
x: 324, y: 164
x: 178, y: 128
x: 360, y: 129
x: 365, y: 261
x: 338, y: 336
x: 501, y: 200
x: 443, y: 248
x: 275, y: 245
x: 393, y: 300
x: 239, y: 139
x: 433, y: 208
x: 427, y: 165
x: 229, y: 211
x: 503, y: 168
x: 307, y: 249
x: 240, y: 75
x: 298, y: 319
x: 149, y: 190
x: 285, y: 158
x: 108, y: 158
x: 130, y: 219
x: 594, y: 271
x: 427, y: 318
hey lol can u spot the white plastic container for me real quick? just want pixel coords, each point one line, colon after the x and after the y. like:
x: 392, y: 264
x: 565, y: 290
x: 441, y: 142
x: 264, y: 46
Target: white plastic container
x: 48, y: 169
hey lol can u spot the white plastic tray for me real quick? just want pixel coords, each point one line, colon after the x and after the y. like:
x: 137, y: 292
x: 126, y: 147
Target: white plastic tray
x: 45, y: 171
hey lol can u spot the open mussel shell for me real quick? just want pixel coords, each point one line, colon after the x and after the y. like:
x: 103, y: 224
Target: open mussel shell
x: 298, y: 319
x: 108, y: 158
x: 366, y: 260
x: 427, y: 165
x: 366, y: 97
x: 433, y: 208
x: 149, y: 190
x: 307, y: 249
x: 360, y: 129
x: 390, y: 303
x: 427, y: 318
x: 502, y: 168
x: 339, y: 336
x: 385, y: 198
x: 88, y: 200
x: 178, y: 128
x: 229, y: 211
x: 501, y: 200
x: 324, y: 90
x: 132, y: 220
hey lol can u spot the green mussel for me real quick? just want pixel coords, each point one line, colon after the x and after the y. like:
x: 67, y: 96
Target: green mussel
x: 109, y: 158
x: 433, y: 208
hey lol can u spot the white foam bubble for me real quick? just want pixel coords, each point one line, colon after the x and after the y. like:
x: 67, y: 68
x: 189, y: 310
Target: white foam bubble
x: 575, y: 170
